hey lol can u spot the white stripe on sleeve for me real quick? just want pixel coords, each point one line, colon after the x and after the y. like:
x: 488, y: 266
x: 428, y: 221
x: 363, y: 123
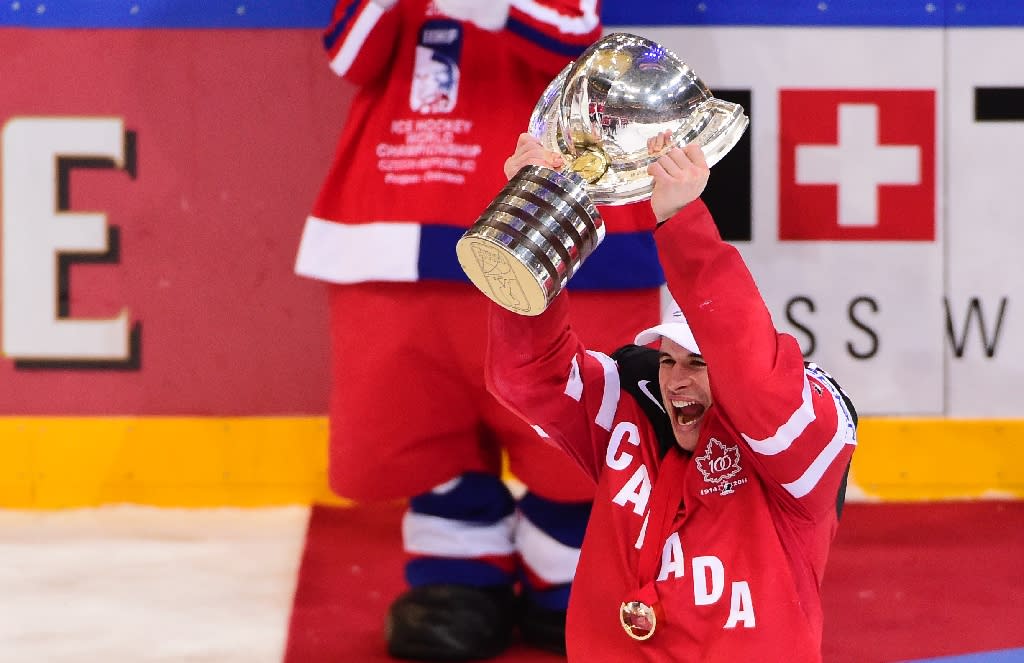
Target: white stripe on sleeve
x: 846, y: 433
x: 570, y: 25
x: 354, y: 41
x: 788, y: 431
x: 352, y: 253
x: 812, y: 475
x: 610, y: 398
x: 574, y: 385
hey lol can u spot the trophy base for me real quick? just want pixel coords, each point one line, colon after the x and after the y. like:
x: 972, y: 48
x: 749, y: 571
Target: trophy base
x: 499, y: 273
x: 531, y: 239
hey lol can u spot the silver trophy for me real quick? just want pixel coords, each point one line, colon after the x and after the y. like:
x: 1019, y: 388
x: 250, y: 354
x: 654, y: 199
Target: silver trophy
x: 598, y: 113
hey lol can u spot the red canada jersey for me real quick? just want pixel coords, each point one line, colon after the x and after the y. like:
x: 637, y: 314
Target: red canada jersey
x: 735, y: 560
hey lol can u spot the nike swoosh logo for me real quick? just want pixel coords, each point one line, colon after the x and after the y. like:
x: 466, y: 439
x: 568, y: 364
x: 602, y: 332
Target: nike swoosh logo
x: 647, y: 392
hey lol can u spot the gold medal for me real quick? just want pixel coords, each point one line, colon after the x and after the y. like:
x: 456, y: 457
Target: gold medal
x: 638, y: 619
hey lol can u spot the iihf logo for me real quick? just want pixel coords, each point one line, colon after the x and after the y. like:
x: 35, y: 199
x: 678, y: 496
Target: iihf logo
x: 435, y: 76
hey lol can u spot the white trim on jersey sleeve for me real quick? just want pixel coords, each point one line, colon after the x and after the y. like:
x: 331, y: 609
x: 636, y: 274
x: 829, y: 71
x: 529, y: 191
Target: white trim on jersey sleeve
x: 574, y: 385
x: 361, y: 29
x: 610, y: 398
x: 789, y: 431
x: 570, y: 25
x: 846, y: 433
x: 812, y: 475
x: 423, y: 534
x: 343, y: 253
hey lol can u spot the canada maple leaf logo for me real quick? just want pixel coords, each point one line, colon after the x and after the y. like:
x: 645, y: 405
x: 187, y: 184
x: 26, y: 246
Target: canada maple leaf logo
x: 719, y: 462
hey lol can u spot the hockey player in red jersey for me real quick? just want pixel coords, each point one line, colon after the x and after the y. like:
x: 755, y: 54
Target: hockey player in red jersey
x: 720, y: 456
x: 442, y: 87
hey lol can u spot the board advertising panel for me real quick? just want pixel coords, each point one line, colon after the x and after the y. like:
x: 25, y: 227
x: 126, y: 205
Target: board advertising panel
x: 845, y: 218
x: 984, y: 271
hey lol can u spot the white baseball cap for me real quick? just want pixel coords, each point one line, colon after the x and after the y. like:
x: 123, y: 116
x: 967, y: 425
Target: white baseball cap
x: 673, y: 327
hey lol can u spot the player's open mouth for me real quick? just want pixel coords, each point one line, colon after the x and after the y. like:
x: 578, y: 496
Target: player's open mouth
x: 687, y: 412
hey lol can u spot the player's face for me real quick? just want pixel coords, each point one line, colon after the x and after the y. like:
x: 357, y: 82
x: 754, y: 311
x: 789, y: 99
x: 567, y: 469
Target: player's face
x: 685, y: 390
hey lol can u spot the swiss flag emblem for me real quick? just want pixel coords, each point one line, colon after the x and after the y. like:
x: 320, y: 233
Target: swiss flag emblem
x: 857, y: 165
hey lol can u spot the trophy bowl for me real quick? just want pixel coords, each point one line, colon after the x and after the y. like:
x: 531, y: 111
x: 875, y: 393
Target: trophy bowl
x: 598, y: 113
x: 620, y: 92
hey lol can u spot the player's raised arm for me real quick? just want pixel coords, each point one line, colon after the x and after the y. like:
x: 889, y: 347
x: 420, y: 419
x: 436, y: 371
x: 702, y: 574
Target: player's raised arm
x: 795, y: 421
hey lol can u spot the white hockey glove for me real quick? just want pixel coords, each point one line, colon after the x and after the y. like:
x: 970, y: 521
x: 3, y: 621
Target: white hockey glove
x: 385, y: 4
x: 487, y: 14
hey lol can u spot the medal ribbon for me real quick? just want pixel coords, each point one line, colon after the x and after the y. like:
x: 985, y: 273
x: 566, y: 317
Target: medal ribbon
x: 666, y: 496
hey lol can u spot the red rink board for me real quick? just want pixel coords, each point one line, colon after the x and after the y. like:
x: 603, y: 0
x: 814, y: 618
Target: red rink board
x: 235, y: 129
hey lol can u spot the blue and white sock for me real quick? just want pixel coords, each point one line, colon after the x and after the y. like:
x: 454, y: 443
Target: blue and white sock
x: 461, y: 533
x: 548, y: 537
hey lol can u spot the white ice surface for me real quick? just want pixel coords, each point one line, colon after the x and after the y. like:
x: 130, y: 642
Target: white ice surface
x: 130, y: 584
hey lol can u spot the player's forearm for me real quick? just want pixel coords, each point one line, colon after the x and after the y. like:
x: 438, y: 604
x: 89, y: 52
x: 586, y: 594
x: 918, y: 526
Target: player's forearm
x: 537, y: 367
x: 526, y: 354
x: 721, y: 302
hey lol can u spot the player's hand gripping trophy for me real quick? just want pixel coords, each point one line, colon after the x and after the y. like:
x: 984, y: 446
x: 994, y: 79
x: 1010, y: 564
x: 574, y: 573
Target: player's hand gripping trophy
x: 598, y: 114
